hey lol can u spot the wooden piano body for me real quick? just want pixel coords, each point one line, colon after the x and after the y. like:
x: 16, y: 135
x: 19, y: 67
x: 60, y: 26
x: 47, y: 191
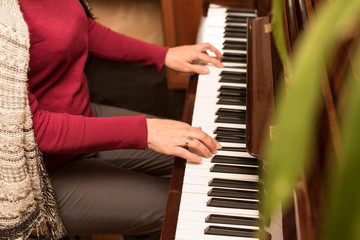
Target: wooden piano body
x: 303, y: 220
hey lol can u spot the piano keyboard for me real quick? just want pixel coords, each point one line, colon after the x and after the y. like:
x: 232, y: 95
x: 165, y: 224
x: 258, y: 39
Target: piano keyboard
x: 220, y: 196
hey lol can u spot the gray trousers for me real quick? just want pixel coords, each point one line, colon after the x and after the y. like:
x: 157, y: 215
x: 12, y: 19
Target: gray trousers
x: 114, y: 192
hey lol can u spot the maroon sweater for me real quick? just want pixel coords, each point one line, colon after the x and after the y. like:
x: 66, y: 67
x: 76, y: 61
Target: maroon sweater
x: 61, y: 38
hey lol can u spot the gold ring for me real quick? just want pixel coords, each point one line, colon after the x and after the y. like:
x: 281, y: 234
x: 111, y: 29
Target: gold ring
x: 187, y: 141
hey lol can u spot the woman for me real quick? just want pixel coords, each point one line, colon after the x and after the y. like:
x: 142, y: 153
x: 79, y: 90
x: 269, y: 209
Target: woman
x: 78, y: 140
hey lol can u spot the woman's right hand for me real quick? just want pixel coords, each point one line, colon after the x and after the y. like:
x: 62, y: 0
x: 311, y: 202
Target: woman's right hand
x: 180, y: 139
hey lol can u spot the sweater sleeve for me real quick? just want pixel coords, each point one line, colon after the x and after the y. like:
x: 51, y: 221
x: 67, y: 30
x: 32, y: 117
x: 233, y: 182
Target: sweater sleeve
x: 110, y: 45
x: 62, y: 133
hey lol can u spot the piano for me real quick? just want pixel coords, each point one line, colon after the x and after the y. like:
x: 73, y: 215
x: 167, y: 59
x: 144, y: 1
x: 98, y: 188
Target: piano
x: 221, y: 197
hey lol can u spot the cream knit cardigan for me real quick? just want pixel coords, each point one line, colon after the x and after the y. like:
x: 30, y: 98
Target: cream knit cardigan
x: 27, y: 203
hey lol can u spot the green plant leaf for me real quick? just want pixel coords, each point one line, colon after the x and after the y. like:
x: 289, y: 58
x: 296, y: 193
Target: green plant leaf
x: 290, y: 151
x: 344, y: 210
x: 279, y: 38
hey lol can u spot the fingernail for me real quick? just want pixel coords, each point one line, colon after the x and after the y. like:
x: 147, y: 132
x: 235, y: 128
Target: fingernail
x: 218, y: 146
x: 205, y: 70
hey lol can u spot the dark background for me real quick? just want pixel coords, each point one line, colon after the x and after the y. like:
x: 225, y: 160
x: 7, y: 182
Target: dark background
x: 135, y: 87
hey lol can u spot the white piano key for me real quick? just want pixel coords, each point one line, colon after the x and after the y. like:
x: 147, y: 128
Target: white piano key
x: 191, y: 172
x: 197, y: 202
x: 207, y: 123
x: 205, y: 173
x: 200, y: 181
x: 190, y: 187
x: 207, y: 165
x: 234, y: 154
x: 224, y: 51
x: 201, y: 216
x: 211, y: 88
x: 200, y: 188
x: 195, y: 225
x: 201, y: 200
x: 212, y: 128
x: 213, y: 85
x: 199, y: 235
x: 240, y: 70
x: 230, y: 64
x: 211, y: 102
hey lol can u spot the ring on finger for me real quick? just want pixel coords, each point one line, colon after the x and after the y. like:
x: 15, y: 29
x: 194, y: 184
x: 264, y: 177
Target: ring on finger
x: 188, y: 139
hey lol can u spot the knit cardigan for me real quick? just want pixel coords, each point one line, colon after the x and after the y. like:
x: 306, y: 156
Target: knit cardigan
x: 27, y: 199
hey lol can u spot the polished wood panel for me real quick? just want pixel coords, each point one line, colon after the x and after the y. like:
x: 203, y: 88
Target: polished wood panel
x: 174, y: 196
x: 260, y: 85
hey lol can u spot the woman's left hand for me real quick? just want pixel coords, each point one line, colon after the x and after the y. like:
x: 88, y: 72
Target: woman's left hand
x: 181, y: 58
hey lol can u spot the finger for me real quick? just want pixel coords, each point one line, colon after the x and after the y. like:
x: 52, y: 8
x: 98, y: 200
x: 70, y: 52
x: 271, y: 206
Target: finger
x: 185, y: 154
x: 208, y: 59
x: 211, y: 143
x: 199, y: 148
x: 208, y: 46
x: 199, y: 69
x: 216, y: 51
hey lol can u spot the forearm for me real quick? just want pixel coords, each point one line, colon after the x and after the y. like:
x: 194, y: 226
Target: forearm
x: 75, y: 134
x: 107, y: 44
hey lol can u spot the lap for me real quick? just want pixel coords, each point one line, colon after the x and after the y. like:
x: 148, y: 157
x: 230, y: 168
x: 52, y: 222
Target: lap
x: 95, y: 197
x: 119, y: 191
x: 145, y: 161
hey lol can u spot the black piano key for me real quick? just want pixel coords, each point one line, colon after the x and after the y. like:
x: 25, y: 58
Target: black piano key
x: 230, y: 112
x: 234, y: 149
x: 227, y: 231
x: 221, y: 168
x: 237, y: 16
x: 240, y: 10
x: 231, y: 73
x: 228, y: 130
x: 233, y: 54
x: 231, y: 139
x: 234, y: 160
x: 230, y: 119
x: 229, y: 183
x: 230, y: 94
x: 233, y: 29
x: 231, y: 58
x: 232, y: 101
x: 233, y: 220
x: 232, y: 203
x: 232, y: 77
x: 232, y: 90
x: 243, y: 44
x: 234, y: 19
x: 231, y: 193
x: 225, y: 117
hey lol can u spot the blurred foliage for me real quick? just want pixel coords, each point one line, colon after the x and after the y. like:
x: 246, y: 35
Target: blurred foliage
x: 289, y: 152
